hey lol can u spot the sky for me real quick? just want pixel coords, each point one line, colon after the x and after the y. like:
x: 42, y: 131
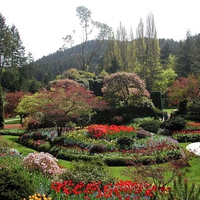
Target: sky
x: 42, y: 24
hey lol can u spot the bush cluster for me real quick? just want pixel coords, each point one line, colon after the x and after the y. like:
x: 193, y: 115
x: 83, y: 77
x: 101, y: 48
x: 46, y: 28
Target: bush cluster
x: 97, y: 148
x: 151, y: 125
x: 14, y: 185
x: 174, y: 123
x: 87, y: 172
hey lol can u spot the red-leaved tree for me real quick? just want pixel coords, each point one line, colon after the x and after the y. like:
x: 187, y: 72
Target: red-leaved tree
x: 12, y: 100
x: 60, y: 105
x: 183, y: 88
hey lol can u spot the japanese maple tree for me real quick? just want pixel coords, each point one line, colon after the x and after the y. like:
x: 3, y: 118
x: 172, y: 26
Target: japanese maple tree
x: 12, y: 101
x: 61, y: 105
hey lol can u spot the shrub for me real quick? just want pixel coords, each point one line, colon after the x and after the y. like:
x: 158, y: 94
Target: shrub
x: 142, y: 134
x: 182, y: 189
x: 151, y: 125
x: 43, y: 162
x: 97, y: 148
x: 174, y: 123
x: 44, y: 147
x: 14, y: 185
x: 87, y: 172
x: 4, y: 145
x: 124, y: 141
x: 30, y: 123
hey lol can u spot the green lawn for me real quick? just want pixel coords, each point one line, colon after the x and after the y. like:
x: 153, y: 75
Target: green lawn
x: 192, y: 172
x: 15, y: 120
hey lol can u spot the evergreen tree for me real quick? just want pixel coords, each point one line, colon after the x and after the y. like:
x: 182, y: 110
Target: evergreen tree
x: 148, y: 54
x: 11, y: 53
x: 184, y: 61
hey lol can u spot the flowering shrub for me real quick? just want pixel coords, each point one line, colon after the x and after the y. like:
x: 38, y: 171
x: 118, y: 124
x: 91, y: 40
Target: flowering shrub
x: 43, y: 162
x: 121, y: 190
x: 98, y: 131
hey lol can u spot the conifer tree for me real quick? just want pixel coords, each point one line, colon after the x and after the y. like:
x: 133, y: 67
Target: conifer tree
x: 11, y: 53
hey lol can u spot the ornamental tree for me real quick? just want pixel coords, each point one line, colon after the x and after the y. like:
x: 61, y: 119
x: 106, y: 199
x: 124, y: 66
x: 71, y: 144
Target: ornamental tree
x: 27, y: 105
x: 60, y: 105
x: 184, y: 88
x: 12, y: 101
x: 123, y: 87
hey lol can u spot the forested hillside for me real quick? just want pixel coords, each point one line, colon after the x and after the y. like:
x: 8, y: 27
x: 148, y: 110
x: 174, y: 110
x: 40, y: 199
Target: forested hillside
x: 158, y: 62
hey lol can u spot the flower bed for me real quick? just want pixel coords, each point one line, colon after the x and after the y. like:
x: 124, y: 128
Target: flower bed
x: 187, y: 135
x: 120, y: 190
x: 99, y: 131
x: 79, y: 145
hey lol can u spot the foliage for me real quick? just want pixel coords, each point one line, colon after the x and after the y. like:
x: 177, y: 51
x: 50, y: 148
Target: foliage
x: 14, y: 184
x: 142, y: 134
x: 43, y: 162
x: 174, y: 123
x: 154, y: 171
x: 1, y: 108
x: 62, y: 83
x: 193, y: 107
x: 61, y: 104
x: 124, y: 142
x: 122, y: 87
x: 156, y: 99
x: 183, y: 88
x: 5, y: 145
x: 29, y: 123
x: 27, y: 104
x: 151, y: 125
x: 182, y: 190
x: 12, y: 100
x: 97, y: 148
x: 88, y: 172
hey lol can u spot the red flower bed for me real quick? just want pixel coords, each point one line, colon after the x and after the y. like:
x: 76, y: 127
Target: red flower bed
x: 100, y: 131
x: 13, y: 126
x: 183, y: 132
x: 194, y: 124
x: 121, y: 190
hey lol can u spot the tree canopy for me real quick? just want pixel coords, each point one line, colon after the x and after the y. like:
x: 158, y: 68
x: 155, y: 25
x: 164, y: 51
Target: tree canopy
x: 61, y: 104
x: 184, y: 88
x: 122, y: 86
